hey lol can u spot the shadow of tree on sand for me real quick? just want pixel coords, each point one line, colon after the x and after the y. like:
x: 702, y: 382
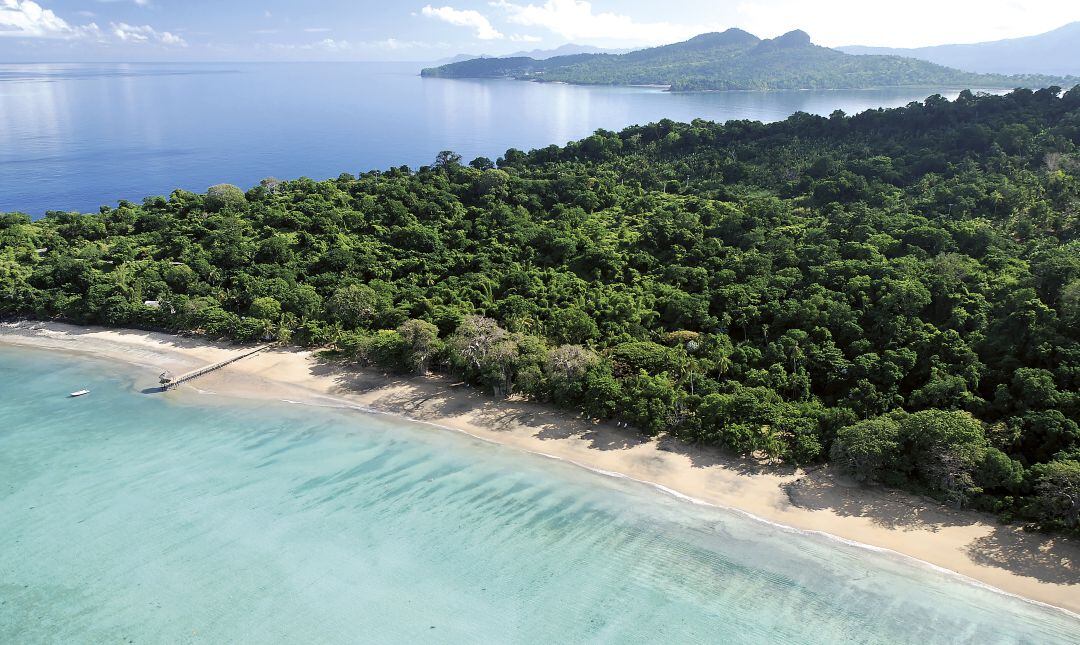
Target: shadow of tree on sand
x: 1046, y: 558
x: 824, y: 490
x: 429, y: 398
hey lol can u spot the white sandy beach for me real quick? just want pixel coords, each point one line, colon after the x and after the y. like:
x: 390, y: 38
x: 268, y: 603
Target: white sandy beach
x: 1037, y: 567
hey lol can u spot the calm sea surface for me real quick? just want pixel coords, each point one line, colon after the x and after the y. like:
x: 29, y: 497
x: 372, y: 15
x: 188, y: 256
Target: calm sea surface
x: 75, y: 137
x: 131, y: 517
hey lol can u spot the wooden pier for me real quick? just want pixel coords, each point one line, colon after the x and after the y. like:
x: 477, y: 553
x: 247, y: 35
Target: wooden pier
x: 168, y: 381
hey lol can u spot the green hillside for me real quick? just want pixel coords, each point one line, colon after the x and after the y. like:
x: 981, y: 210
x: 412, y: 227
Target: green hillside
x: 736, y: 60
x: 897, y: 291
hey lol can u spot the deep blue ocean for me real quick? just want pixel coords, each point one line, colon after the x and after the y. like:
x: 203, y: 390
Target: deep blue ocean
x: 78, y: 136
x: 130, y: 517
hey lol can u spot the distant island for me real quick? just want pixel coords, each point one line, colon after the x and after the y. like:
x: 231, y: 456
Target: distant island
x: 737, y: 60
x: 1054, y: 52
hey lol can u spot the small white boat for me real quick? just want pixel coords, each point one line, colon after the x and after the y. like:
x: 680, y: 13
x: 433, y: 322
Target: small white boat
x: 80, y: 393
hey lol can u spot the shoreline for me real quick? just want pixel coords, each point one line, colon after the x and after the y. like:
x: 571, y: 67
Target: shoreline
x: 1039, y: 568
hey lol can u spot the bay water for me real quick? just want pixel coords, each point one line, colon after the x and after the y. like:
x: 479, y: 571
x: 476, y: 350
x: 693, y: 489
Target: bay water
x: 79, y: 136
x: 131, y: 516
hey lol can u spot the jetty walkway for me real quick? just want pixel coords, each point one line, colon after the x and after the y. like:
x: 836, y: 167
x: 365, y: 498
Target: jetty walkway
x: 168, y: 381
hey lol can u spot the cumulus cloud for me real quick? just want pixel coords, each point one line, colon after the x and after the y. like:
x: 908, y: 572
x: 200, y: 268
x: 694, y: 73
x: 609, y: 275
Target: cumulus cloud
x: 393, y: 44
x: 168, y: 38
x: 332, y: 45
x: 464, y: 18
x: 144, y: 34
x: 28, y: 19
x: 576, y: 20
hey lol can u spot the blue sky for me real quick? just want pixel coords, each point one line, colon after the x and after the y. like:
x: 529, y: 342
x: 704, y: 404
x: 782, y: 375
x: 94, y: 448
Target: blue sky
x: 236, y: 30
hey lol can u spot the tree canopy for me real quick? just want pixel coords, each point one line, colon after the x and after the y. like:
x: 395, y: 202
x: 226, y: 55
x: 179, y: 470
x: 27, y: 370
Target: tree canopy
x: 896, y: 290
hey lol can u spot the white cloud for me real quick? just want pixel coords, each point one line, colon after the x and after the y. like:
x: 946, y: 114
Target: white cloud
x: 326, y: 44
x: 331, y: 45
x: 464, y: 18
x: 168, y: 38
x: 393, y: 44
x: 28, y: 19
x: 318, y: 30
x: 144, y: 34
x: 525, y: 38
x: 575, y: 20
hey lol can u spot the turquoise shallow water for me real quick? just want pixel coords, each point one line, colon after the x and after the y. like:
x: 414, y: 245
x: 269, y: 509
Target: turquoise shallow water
x: 184, y: 518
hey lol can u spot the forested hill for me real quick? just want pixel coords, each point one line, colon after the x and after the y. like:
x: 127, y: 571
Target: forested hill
x: 736, y: 60
x: 897, y: 291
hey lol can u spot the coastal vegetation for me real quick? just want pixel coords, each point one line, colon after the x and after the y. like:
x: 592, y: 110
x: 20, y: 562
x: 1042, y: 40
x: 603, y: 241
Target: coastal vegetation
x: 897, y: 291
x: 736, y: 60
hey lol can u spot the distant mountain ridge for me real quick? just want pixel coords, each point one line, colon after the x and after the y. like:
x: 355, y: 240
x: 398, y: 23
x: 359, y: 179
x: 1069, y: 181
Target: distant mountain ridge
x: 736, y: 60
x: 1055, y: 52
x: 568, y: 49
